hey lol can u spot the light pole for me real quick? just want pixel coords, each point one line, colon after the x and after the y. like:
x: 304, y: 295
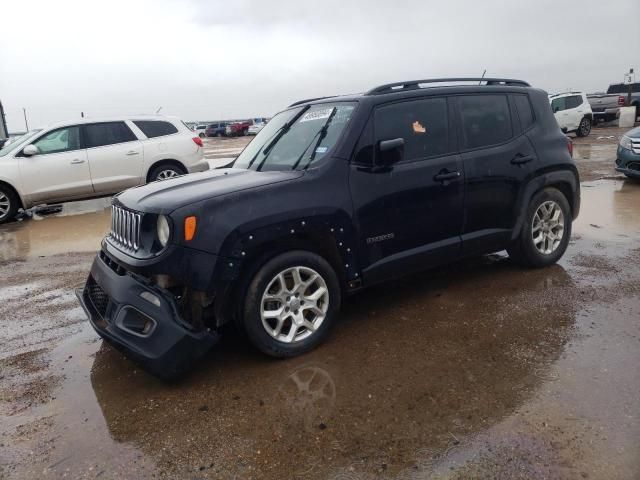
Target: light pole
x: 26, y: 124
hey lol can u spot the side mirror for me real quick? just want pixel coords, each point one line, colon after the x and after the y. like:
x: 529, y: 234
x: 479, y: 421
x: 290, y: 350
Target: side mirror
x: 30, y: 150
x: 390, y: 151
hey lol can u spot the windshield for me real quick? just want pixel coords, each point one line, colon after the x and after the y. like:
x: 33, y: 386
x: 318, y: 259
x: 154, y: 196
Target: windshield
x: 18, y: 142
x: 296, y: 138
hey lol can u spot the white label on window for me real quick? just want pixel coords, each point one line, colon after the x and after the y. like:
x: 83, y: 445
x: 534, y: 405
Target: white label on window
x: 322, y: 149
x: 316, y: 115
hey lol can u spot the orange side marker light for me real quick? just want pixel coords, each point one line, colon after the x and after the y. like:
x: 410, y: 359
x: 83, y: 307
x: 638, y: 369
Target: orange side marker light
x: 189, y: 228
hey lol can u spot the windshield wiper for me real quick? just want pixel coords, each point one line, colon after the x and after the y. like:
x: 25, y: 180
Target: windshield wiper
x: 275, y: 138
x: 322, y: 133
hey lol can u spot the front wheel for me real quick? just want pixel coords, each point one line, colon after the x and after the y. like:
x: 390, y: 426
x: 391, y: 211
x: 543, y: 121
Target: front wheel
x: 544, y: 236
x: 291, y: 304
x: 584, y: 128
x: 9, y: 204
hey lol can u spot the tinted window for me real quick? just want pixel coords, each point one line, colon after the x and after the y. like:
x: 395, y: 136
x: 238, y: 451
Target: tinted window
x: 524, y: 110
x: 422, y: 124
x: 485, y: 120
x: 152, y: 128
x: 574, y: 101
x: 61, y: 140
x: 100, y: 134
x: 559, y: 104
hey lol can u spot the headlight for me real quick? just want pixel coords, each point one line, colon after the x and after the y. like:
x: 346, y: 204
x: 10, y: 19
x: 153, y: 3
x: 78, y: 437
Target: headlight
x: 625, y: 142
x: 163, y: 230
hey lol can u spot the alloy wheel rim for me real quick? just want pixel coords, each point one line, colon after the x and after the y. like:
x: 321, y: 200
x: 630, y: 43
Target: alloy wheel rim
x: 547, y: 228
x: 585, y: 127
x: 166, y: 174
x: 5, y: 205
x: 294, y: 305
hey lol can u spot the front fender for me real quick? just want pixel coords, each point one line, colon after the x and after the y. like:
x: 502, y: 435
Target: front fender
x: 322, y: 230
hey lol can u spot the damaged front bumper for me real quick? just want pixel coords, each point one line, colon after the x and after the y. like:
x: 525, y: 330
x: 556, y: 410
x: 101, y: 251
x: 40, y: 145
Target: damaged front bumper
x: 142, y: 320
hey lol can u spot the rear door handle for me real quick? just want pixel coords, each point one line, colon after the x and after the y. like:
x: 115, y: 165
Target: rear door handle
x: 132, y: 152
x: 446, y: 175
x: 76, y: 161
x: 521, y: 159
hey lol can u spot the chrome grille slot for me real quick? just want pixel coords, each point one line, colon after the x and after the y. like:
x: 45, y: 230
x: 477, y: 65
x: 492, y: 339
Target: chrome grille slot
x: 125, y: 228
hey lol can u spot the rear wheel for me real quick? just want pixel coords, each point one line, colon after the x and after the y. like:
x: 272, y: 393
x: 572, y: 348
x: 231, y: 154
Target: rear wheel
x: 584, y: 128
x: 291, y: 304
x: 544, y: 236
x: 166, y: 171
x: 9, y: 204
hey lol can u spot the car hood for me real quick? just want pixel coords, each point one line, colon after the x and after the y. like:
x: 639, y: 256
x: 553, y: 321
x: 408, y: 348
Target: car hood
x: 168, y: 195
x: 633, y: 133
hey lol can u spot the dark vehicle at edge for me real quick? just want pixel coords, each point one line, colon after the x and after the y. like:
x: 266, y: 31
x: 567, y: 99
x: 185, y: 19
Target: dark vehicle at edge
x: 333, y: 195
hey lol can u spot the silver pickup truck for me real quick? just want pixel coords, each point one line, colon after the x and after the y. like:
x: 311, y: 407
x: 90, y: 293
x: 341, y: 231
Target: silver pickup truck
x: 605, y: 106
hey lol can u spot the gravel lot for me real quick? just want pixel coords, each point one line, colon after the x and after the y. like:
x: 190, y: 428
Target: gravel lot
x: 480, y: 369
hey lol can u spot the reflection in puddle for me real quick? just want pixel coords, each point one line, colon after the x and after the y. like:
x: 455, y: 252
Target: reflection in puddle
x: 75, y: 227
x: 408, y: 365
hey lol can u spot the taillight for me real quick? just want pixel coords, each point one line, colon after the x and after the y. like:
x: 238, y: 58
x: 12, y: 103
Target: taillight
x: 570, y: 146
x: 621, y: 101
x: 197, y: 141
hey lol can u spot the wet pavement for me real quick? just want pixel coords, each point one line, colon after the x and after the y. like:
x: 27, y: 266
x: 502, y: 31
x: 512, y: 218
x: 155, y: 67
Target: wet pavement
x: 476, y: 370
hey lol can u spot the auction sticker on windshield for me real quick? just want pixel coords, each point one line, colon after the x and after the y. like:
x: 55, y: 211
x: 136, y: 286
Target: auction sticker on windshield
x: 317, y: 115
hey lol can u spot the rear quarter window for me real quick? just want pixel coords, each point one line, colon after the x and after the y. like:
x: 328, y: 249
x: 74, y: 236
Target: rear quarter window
x: 485, y: 120
x: 525, y: 113
x: 155, y: 128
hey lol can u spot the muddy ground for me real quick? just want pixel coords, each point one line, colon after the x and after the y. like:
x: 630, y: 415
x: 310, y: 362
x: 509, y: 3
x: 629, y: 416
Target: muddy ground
x: 477, y: 370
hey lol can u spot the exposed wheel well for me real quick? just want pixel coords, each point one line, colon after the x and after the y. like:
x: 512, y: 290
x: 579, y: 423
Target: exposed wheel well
x: 167, y: 162
x: 565, y: 189
x: 15, y: 192
x: 323, y: 245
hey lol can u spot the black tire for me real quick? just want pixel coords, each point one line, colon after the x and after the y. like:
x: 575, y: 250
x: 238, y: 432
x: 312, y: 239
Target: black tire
x: 159, y: 171
x: 523, y: 250
x: 10, y: 203
x: 584, y: 128
x: 252, y: 320
x: 219, y: 134
x: 201, y: 135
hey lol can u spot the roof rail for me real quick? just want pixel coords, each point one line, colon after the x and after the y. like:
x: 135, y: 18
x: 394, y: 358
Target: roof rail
x: 300, y: 102
x: 415, y: 84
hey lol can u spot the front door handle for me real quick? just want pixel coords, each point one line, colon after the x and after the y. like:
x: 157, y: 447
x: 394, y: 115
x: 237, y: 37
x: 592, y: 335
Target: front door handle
x: 521, y: 159
x: 132, y: 152
x: 445, y: 175
x: 76, y: 161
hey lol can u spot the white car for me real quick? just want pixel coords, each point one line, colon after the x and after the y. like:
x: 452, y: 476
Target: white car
x: 200, y: 130
x: 573, y: 112
x: 94, y: 158
x: 255, y: 128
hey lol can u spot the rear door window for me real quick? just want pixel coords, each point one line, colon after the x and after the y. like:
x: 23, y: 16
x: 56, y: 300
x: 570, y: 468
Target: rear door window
x: 154, y: 128
x: 107, y: 133
x: 423, y: 125
x: 485, y: 120
x: 559, y: 104
x: 574, y: 101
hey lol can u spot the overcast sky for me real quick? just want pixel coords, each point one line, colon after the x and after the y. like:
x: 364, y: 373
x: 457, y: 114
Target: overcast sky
x: 211, y: 59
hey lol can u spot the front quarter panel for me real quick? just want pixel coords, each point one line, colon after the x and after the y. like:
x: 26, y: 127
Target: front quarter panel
x: 10, y: 174
x: 243, y: 225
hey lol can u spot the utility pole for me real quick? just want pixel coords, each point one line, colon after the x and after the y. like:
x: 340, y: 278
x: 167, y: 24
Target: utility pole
x: 26, y: 124
x: 630, y: 78
x: 81, y: 114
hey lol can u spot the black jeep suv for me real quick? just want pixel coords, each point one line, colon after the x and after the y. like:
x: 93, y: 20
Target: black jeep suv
x: 333, y: 195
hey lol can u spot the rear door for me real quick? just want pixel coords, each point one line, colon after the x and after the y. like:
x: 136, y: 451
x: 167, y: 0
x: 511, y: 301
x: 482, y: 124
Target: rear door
x: 497, y: 158
x: 115, y: 156
x: 409, y: 215
x: 60, y: 170
x: 559, y: 107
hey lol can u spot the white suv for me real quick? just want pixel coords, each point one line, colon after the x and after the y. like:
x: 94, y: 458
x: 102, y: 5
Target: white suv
x: 573, y: 112
x: 91, y: 158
